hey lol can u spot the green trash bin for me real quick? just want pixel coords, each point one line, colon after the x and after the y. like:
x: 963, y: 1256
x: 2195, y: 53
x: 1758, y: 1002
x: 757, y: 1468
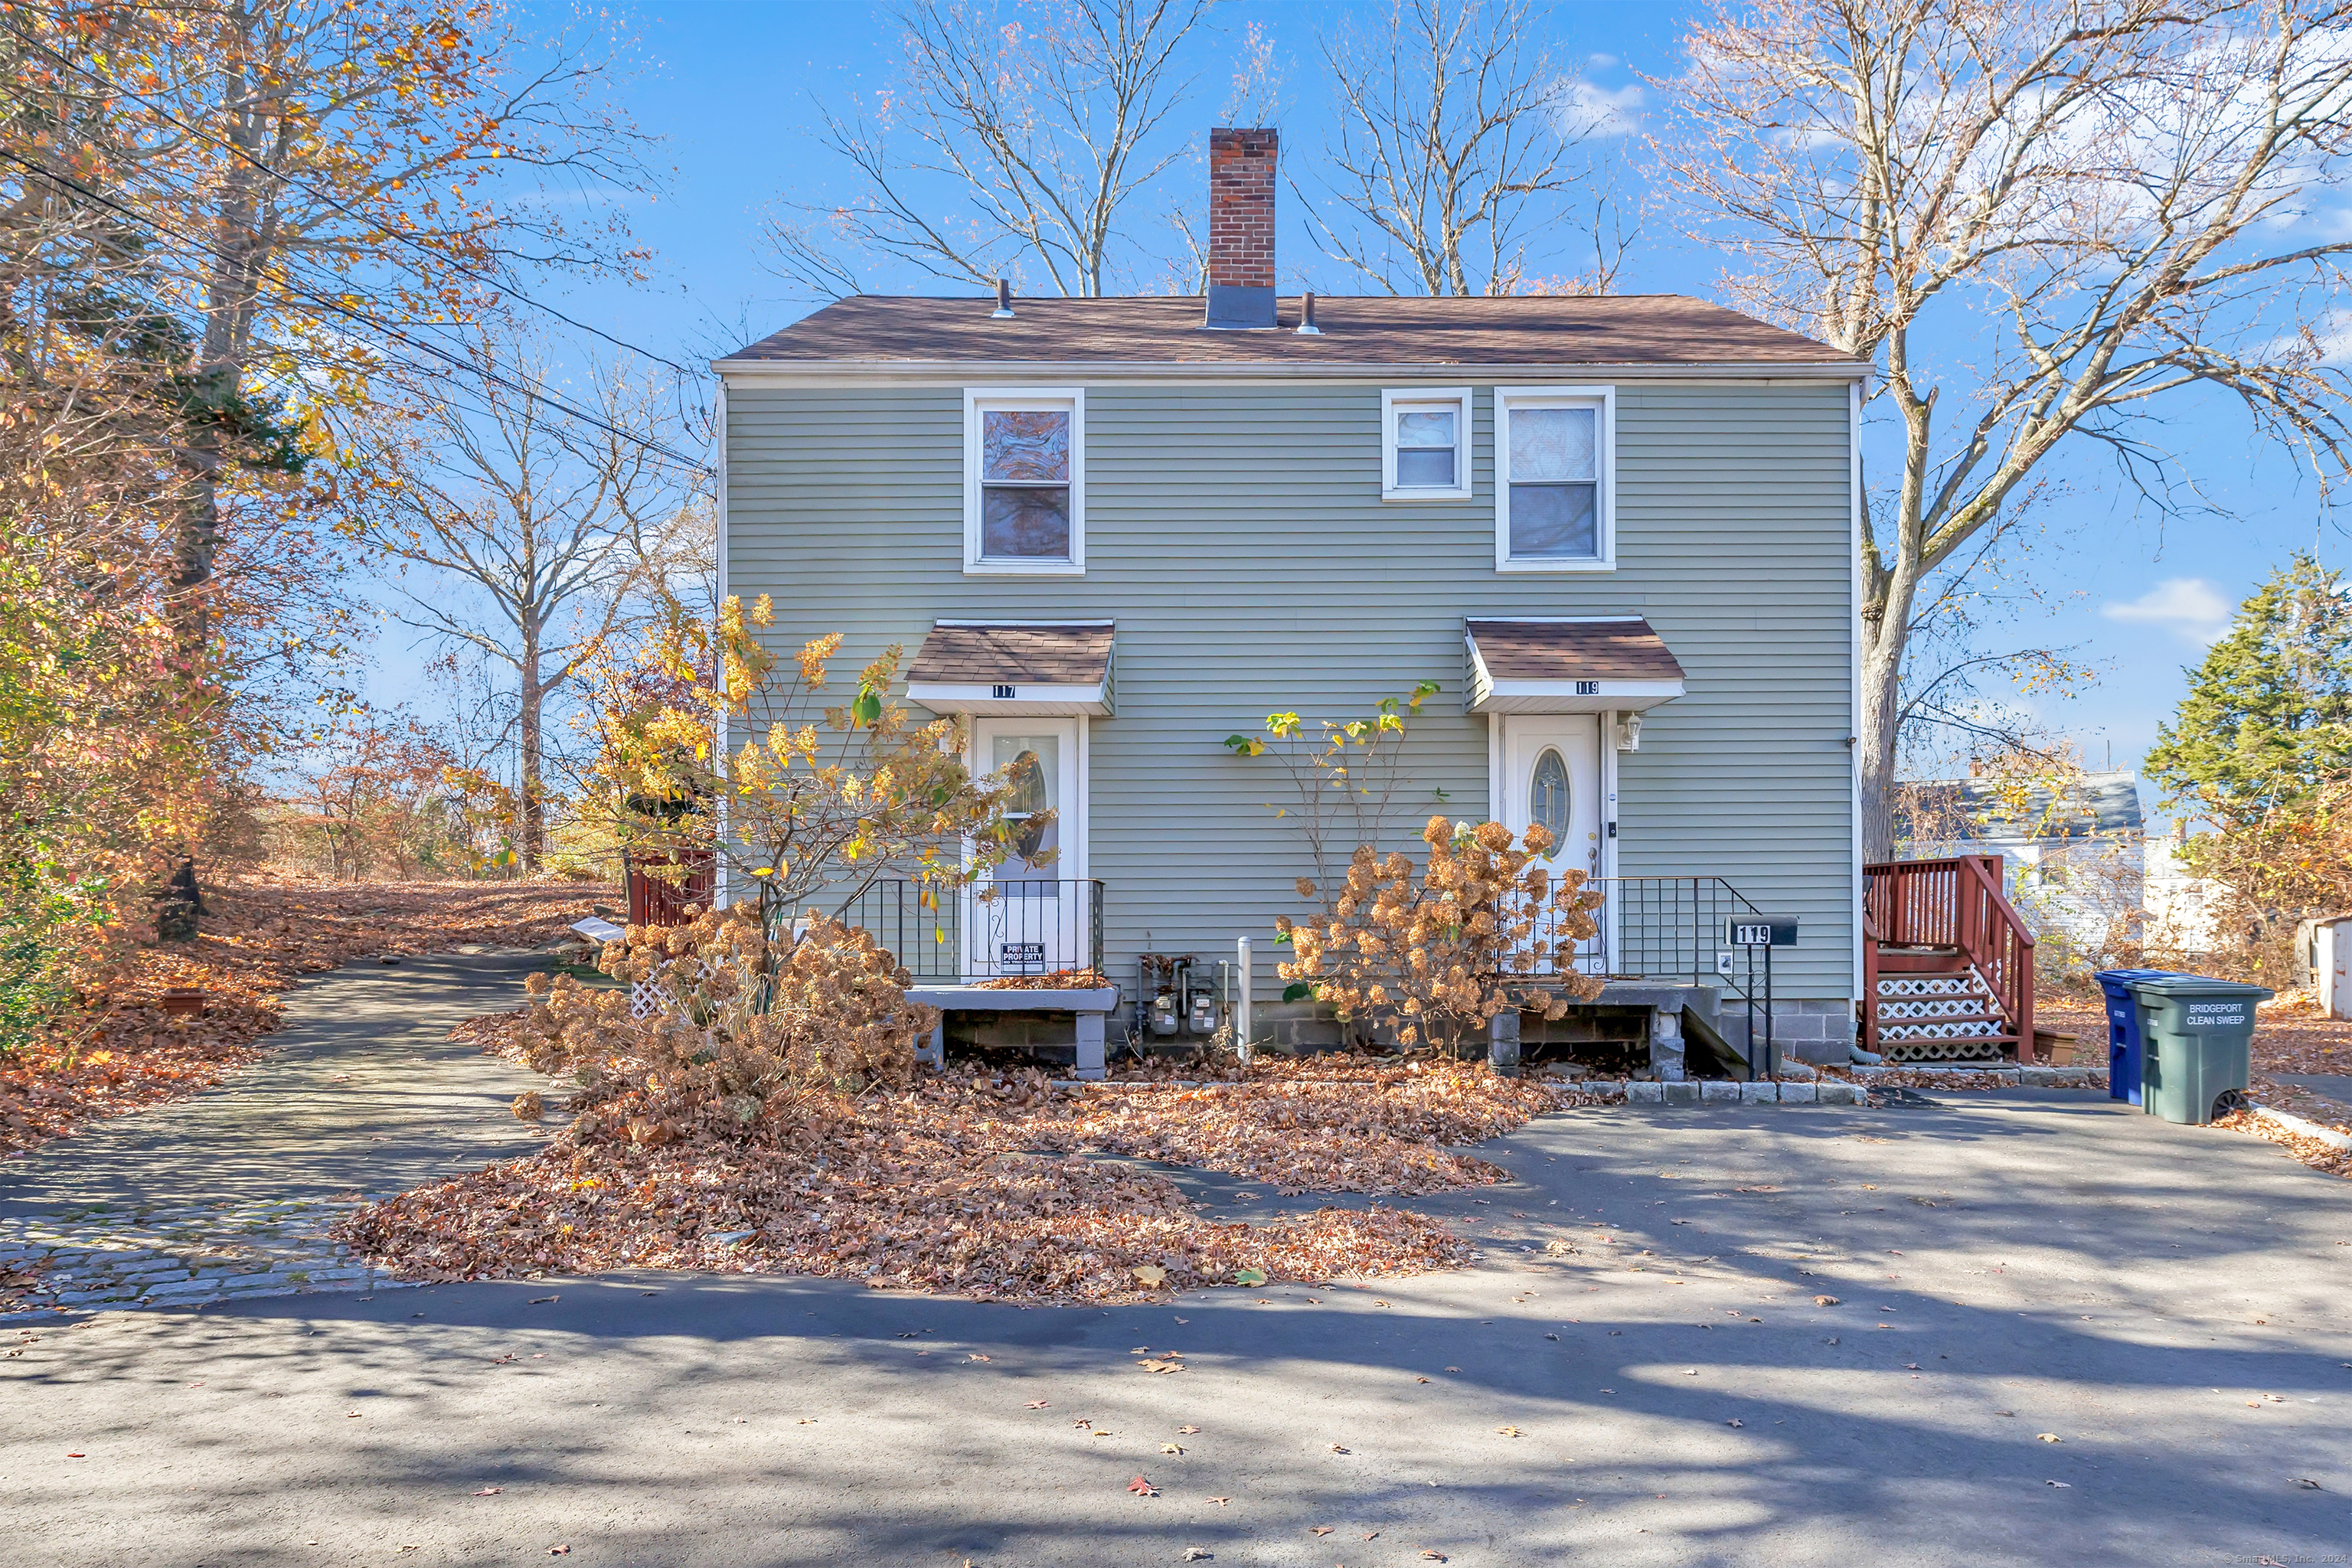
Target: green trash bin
x: 2200, y: 1037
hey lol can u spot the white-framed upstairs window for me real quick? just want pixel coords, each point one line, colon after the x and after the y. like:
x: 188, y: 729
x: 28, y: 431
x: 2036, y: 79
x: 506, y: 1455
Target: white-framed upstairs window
x: 1024, y: 474
x: 1555, y: 478
x: 1425, y: 444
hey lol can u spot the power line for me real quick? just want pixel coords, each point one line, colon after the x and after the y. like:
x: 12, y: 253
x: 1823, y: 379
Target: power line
x: 344, y: 207
x: 397, y: 334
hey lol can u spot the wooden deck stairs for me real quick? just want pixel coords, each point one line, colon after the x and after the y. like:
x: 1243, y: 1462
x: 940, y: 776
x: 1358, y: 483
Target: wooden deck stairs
x: 1948, y: 964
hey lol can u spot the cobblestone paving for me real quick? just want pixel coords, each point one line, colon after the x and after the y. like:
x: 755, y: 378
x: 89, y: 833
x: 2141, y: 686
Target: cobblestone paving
x: 202, y: 1252
x: 230, y: 1194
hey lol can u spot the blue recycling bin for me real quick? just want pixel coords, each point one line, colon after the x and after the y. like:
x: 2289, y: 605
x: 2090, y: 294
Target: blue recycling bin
x: 2126, y: 1048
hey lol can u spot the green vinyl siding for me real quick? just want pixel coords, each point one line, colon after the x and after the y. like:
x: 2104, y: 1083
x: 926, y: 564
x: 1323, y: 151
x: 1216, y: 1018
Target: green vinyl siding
x: 1237, y: 534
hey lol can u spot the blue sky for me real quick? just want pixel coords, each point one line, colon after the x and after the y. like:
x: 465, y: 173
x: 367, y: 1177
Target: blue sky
x: 731, y: 90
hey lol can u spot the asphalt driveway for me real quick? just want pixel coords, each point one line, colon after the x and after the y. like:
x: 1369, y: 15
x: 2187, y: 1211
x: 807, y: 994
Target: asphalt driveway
x: 2167, y: 1304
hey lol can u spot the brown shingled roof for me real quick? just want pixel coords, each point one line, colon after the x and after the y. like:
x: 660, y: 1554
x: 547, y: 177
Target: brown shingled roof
x: 974, y: 655
x: 1573, y: 650
x: 1526, y: 329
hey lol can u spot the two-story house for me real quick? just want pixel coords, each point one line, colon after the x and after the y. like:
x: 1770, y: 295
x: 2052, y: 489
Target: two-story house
x: 1618, y: 532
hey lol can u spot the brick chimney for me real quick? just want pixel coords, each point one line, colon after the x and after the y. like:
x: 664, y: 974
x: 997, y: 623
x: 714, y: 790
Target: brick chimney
x: 1241, y: 227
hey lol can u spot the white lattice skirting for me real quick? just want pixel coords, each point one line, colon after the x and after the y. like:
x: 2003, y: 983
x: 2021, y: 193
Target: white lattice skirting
x: 1929, y: 986
x: 646, y: 997
x: 1967, y: 1030
x: 1942, y: 1007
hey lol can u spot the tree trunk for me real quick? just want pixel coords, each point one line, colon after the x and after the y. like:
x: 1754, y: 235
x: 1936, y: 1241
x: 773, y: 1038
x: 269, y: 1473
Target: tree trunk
x: 214, y: 390
x: 1886, y: 627
x: 532, y: 810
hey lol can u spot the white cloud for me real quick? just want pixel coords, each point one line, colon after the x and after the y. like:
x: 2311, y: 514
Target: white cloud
x: 2189, y: 607
x: 1587, y: 111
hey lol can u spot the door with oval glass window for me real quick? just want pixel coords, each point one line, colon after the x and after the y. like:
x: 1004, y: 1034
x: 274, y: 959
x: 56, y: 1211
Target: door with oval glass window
x: 1026, y: 918
x: 1551, y: 777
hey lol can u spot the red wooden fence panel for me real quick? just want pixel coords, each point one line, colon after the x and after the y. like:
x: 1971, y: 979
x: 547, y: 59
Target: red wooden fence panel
x: 654, y: 901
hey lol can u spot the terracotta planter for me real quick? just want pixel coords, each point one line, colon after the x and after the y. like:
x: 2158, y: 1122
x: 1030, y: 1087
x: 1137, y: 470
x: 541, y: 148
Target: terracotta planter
x: 2055, y: 1049
x: 183, y: 1001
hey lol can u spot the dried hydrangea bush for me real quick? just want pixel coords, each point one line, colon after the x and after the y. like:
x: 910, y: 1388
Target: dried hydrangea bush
x: 1430, y: 957
x: 716, y: 1020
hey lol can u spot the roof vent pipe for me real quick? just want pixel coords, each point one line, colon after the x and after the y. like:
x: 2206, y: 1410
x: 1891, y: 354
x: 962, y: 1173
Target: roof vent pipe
x: 1307, y: 327
x: 1004, y: 312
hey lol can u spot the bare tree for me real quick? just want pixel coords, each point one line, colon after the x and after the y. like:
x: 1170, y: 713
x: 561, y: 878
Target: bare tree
x: 2094, y: 210
x: 1048, y: 131
x: 1964, y: 671
x: 521, y: 529
x: 1459, y: 146
x: 1254, y: 99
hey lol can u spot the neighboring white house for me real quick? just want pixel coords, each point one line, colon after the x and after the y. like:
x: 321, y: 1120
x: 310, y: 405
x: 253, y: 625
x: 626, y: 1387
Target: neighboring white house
x: 2180, y: 908
x: 2075, y: 858
x: 2082, y: 865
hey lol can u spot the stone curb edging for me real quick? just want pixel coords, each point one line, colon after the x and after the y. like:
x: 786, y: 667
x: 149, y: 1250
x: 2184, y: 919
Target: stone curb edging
x: 1633, y: 1091
x: 1689, y: 1092
x: 2286, y: 1121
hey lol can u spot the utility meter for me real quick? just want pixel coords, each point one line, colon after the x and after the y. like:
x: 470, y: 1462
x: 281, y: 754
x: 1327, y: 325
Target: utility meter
x: 1203, y: 1020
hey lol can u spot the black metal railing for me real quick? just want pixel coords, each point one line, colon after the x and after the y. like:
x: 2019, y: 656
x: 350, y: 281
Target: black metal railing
x: 1685, y: 929
x: 987, y: 930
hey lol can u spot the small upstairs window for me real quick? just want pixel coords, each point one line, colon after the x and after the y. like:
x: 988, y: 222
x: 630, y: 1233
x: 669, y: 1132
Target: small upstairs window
x: 1554, y: 474
x: 1024, y: 464
x: 1425, y: 444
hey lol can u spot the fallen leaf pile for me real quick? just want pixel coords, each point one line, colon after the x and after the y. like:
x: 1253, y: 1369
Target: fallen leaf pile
x: 2299, y: 1099
x: 2311, y: 1151
x: 498, y: 1034
x: 118, y: 1051
x: 1322, y: 1137
x: 1058, y: 980
x: 983, y: 1183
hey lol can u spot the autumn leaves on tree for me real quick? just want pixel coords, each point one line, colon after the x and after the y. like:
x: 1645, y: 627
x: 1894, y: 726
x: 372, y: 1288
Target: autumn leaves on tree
x: 225, y: 229
x: 2260, y: 757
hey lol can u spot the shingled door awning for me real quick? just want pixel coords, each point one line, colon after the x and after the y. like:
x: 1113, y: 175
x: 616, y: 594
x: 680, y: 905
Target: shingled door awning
x: 1055, y: 668
x: 1593, y: 666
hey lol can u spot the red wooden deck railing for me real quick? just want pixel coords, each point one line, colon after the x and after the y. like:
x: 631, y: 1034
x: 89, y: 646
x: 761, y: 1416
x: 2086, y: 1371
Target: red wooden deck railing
x: 1953, y: 903
x: 655, y: 902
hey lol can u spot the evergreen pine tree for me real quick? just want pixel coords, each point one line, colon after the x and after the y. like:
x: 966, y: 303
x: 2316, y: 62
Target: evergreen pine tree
x: 2267, y: 721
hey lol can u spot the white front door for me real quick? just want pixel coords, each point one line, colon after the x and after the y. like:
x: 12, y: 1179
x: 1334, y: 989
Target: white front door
x: 1551, y: 775
x: 1025, y: 918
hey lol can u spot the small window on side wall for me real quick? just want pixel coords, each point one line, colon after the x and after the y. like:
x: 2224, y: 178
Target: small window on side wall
x: 1554, y: 479
x: 1425, y: 444
x: 1024, y: 480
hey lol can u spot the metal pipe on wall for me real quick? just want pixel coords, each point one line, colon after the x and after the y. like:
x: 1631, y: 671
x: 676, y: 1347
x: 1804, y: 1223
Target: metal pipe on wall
x: 1241, y: 999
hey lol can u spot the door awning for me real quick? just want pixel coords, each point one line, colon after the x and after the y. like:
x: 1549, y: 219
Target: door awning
x: 1614, y: 664
x: 1051, y: 668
